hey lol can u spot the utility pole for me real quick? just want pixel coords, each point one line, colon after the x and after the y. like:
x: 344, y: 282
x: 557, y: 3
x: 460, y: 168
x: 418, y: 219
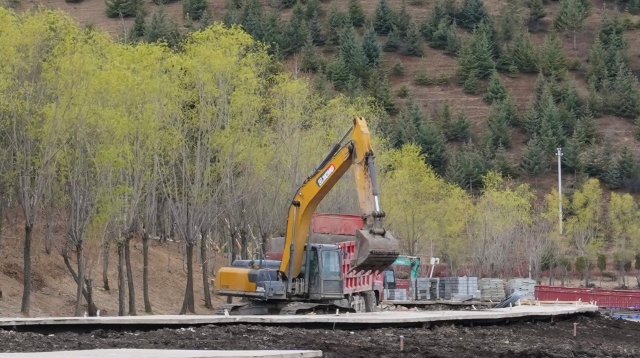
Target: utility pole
x: 559, y: 154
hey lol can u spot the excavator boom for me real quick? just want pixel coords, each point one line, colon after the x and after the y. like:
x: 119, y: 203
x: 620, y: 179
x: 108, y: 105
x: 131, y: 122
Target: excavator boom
x: 376, y: 249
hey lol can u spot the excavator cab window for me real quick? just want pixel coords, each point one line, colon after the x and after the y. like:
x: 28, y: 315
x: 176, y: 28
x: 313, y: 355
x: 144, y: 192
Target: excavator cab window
x: 331, y: 269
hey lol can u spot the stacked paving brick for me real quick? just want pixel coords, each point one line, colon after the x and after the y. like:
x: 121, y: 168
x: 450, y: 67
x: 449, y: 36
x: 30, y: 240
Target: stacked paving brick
x: 524, y: 287
x: 448, y: 287
x: 395, y: 295
x: 427, y: 288
x: 492, y: 289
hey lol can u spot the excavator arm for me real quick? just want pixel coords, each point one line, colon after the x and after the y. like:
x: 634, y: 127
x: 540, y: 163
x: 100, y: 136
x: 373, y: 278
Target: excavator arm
x: 376, y: 248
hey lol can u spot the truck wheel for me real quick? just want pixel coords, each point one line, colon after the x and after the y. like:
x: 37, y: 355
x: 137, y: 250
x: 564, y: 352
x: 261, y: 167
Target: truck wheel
x: 369, y: 301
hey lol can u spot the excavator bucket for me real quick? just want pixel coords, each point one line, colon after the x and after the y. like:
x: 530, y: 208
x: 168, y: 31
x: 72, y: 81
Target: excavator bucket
x: 374, y: 251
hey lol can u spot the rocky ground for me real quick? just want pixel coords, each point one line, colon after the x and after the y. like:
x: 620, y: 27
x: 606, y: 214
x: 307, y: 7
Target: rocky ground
x: 597, y: 336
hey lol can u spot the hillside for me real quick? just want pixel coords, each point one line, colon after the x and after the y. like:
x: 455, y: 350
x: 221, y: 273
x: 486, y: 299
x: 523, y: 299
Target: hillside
x: 54, y: 289
x: 617, y: 132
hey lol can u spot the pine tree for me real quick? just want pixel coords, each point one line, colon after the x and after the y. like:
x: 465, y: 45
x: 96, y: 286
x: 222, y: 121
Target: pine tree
x: 414, y: 41
x: 313, y: 9
x: 611, y: 175
x: 627, y: 165
x: 393, y: 42
x: 475, y: 56
x: 458, y: 129
x: 552, y: 57
x: 309, y: 57
x: 383, y: 18
x: 315, y: 30
x: 139, y: 25
x: 352, y: 53
x: 470, y: 85
x: 452, y: 41
x: 597, y: 68
x: 509, y: 110
x: 496, y: 91
x: 571, y: 153
x: 534, y: 160
x: 524, y: 54
x: 371, y: 47
x: 162, y: 28
x: 380, y: 90
x: 627, y: 93
x: 124, y: 8
x: 336, y: 22
x: 412, y: 119
x: 296, y: 31
x: 536, y: 12
x: 338, y: 73
x: 510, y: 20
x: 438, y: 39
x: 402, y: 21
x: 532, y: 120
x: 497, y: 132
x: 466, y: 168
x: 194, y: 9
x: 433, y: 144
x: 356, y: 13
x: 472, y: 13
x: 586, y: 128
x: 502, y: 163
x: 634, y: 7
x: 571, y: 16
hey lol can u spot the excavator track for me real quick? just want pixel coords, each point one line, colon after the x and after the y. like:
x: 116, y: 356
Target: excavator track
x: 282, y: 308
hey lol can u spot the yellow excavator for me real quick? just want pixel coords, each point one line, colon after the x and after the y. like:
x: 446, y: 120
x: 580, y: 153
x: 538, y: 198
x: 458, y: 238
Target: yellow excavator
x: 310, y: 276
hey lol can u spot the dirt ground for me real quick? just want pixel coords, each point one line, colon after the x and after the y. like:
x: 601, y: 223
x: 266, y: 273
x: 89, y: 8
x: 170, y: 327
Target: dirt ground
x: 597, y: 336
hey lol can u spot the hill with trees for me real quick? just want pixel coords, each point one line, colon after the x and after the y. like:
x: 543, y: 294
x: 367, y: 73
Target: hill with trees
x: 200, y: 127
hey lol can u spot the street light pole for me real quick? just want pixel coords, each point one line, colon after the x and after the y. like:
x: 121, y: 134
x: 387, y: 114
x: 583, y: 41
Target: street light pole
x: 559, y: 154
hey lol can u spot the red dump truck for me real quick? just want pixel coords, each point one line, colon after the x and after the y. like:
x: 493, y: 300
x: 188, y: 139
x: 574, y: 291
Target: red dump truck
x: 338, y: 229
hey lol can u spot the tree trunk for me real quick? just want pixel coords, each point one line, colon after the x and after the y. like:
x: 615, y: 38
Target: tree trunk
x: 574, y: 41
x: 132, y: 294
x: 89, y: 296
x: 26, y: 293
x: 85, y: 293
x: 105, y: 265
x: 205, y: 270
x: 145, y: 273
x: 120, y: 279
x: 48, y: 236
x: 188, y: 305
x: 79, y: 280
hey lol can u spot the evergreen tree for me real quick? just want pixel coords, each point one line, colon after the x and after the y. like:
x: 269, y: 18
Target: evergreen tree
x: 509, y: 110
x: 466, y: 168
x: 414, y: 41
x: 356, y: 13
x: 627, y: 93
x: 594, y: 160
x: 313, y: 9
x: 412, y: 120
x: 438, y: 39
x: 393, y: 42
x: 532, y: 120
x: 309, y: 57
x: 534, y: 160
x: 380, y: 90
x: 597, y: 68
x: 433, y: 144
x: 315, y: 30
x: 571, y: 16
x: 634, y: 7
x: 552, y: 57
x: 139, y: 25
x: 338, y: 73
x: 296, y: 31
x: 571, y: 153
x: 536, y: 12
x: 336, y: 22
x: 627, y: 166
x: 206, y: 20
x: 502, y: 163
x: 371, y: 47
x: 124, y: 8
x: 194, y: 9
x: 353, y: 54
x: 402, y: 21
x: 470, y: 85
x: 497, y: 132
x: 611, y: 175
x: 586, y: 128
x: 496, y: 91
x: 162, y: 28
x: 510, y: 20
x: 457, y: 129
x: 475, y: 55
x: 524, y: 54
x: 383, y: 18
x: 472, y: 13
x: 440, y: 10
x: 453, y: 41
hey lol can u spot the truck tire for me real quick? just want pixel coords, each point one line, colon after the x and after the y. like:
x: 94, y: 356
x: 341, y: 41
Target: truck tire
x: 369, y: 301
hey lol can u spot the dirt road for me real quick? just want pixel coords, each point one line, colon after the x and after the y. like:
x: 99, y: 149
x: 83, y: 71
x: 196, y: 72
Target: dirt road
x: 597, y: 337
